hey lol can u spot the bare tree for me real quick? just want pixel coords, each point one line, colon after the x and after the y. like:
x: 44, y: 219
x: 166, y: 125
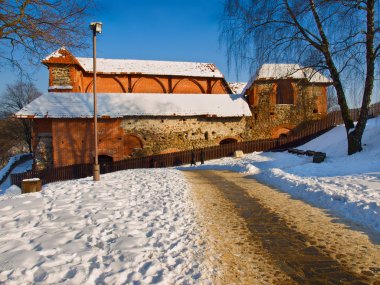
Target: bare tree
x: 32, y: 28
x: 332, y: 100
x: 341, y: 37
x: 15, y: 97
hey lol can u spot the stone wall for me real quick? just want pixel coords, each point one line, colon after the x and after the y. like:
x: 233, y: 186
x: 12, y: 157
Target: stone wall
x: 72, y: 139
x: 269, y: 117
x: 60, y: 76
x: 169, y: 134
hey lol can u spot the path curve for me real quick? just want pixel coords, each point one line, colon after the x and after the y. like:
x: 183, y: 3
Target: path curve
x: 258, y: 235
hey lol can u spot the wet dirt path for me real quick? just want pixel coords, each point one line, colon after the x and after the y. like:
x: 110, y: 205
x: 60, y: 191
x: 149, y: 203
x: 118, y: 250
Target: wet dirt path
x: 258, y: 235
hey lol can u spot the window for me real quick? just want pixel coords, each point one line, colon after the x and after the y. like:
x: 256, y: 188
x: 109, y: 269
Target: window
x: 228, y: 141
x: 285, y: 92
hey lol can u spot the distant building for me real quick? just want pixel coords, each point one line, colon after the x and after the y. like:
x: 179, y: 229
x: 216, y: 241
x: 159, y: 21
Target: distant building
x: 152, y: 107
x: 283, y: 96
x: 68, y: 73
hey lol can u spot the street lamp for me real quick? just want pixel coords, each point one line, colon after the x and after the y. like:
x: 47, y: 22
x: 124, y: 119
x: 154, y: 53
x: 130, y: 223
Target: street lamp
x: 96, y: 28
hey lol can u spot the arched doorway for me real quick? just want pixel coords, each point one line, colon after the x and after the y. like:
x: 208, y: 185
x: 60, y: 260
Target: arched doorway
x: 280, y: 132
x: 105, y: 163
x: 228, y: 141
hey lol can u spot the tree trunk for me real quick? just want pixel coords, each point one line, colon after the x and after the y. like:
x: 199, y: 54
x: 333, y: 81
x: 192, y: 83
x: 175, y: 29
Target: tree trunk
x: 355, y: 137
x: 27, y: 135
x: 354, y: 142
x: 354, y: 133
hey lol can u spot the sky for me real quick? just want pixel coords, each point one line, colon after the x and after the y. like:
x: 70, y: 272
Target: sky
x: 173, y: 30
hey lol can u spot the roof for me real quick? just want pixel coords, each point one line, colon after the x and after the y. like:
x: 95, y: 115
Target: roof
x: 151, y: 67
x: 118, y: 105
x: 290, y: 71
x: 237, y: 87
x: 147, y: 67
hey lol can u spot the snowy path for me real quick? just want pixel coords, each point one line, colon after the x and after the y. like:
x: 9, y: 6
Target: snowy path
x: 349, y: 186
x: 133, y: 226
x: 258, y: 235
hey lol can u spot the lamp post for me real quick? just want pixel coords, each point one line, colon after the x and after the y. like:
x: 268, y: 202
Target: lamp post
x: 96, y: 28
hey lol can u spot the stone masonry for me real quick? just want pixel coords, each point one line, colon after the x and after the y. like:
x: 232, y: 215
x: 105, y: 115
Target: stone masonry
x: 271, y: 119
x: 130, y: 137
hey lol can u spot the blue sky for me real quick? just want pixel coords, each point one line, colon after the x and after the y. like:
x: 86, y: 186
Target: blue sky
x: 178, y: 30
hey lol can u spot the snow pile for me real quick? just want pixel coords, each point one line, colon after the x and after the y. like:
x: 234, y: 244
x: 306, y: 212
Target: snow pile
x: 12, y: 191
x: 132, y: 227
x: 349, y: 186
x: 118, y: 105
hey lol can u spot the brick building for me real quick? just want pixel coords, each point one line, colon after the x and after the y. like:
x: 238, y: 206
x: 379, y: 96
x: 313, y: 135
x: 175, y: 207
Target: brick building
x: 151, y: 107
x: 284, y: 96
x: 132, y: 124
x: 68, y: 73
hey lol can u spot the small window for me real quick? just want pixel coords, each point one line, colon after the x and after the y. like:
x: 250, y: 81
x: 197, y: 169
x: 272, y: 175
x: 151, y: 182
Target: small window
x: 285, y: 92
x: 228, y: 141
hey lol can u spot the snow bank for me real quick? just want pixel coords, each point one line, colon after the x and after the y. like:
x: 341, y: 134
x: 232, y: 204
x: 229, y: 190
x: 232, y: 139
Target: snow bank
x: 349, y: 186
x: 132, y: 227
x: 14, y: 159
x: 22, y: 167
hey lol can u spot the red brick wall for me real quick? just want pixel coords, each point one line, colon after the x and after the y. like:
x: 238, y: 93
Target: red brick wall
x: 271, y: 87
x: 73, y: 141
x: 40, y: 126
x: 121, y: 83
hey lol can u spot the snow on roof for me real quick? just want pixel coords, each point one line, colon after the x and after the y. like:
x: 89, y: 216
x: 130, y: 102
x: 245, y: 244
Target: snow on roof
x: 293, y: 71
x: 118, y: 105
x: 237, y: 87
x: 151, y: 67
x: 57, y: 54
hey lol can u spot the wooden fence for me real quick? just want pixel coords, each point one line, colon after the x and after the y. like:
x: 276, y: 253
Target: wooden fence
x: 296, y: 137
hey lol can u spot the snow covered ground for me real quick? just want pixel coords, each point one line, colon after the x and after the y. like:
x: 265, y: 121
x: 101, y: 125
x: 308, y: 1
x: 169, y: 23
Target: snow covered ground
x: 139, y: 226
x: 132, y: 227
x: 27, y: 165
x: 349, y: 186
